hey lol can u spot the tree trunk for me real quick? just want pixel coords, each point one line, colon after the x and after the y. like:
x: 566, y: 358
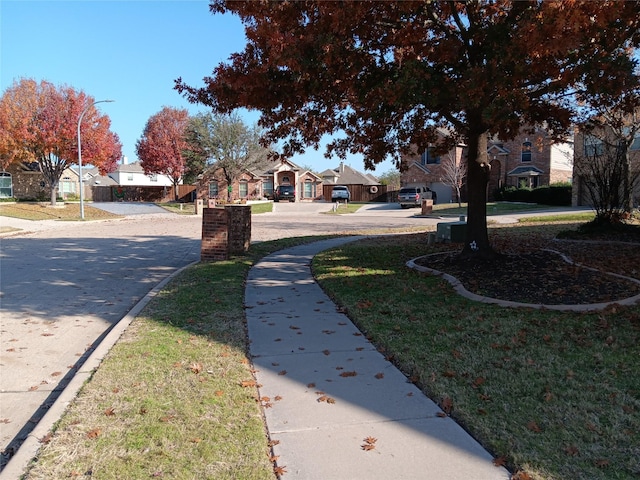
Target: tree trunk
x: 54, y: 193
x: 477, y: 237
x: 628, y: 182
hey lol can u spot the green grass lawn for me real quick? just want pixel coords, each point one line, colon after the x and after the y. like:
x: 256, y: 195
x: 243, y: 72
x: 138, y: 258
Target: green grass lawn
x: 44, y: 211
x: 189, y: 208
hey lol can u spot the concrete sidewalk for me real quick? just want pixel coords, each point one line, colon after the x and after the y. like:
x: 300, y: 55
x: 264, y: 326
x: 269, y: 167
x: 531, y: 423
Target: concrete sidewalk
x: 335, y: 406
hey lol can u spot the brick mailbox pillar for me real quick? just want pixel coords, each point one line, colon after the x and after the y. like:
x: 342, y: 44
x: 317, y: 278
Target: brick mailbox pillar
x: 225, y: 231
x: 239, y: 225
x: 214, y: 235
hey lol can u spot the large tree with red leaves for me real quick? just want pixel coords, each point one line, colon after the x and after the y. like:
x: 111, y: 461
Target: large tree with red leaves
x: 39, y: 122
x: 161, y: 148
x: 387, y: 75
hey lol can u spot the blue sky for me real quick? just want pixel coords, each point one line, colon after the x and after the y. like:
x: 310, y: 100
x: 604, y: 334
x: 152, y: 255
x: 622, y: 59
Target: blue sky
x: 127, y: 51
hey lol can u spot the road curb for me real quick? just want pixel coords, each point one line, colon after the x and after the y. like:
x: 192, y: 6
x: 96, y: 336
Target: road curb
x: 18, y: 463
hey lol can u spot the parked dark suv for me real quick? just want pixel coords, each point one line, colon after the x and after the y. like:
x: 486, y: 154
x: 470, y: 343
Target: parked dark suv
x: 285, y: 192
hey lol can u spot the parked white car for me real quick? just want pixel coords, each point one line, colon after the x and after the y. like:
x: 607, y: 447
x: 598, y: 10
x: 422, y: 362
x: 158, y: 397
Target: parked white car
x: 339, y: 193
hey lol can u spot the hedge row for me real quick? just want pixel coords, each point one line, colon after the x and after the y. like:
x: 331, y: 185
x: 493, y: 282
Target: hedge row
x: 558, y: 194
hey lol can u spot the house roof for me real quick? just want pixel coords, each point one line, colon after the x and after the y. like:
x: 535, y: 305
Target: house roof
x: 419, y: 165
x: 134, y: 167
x: 525, y: 171
x: 497, y: 149
x: 345, y: 175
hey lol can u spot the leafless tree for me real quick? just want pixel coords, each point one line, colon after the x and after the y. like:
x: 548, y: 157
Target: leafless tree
x: 454, y: 173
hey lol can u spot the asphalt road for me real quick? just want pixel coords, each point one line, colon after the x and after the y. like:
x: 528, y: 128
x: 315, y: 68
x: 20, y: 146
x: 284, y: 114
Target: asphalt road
x: 62, y: 289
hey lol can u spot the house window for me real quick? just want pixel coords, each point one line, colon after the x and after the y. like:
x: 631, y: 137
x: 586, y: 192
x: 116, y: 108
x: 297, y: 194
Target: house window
x: 130, y: 177
x: 429, y: 157
x: 243, y: 189
x: 153, y: 177
x: 526, y: 152
x: 213, y: 189
x: 67, y: 186
x: 308, y: 189
x: 593, y: 146
x: 528, y: 182
x: 6, y: 185
x: 267, y: 187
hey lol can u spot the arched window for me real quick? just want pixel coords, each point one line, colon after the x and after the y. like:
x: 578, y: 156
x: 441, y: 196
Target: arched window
x: 6, y: 185
x: 526, y: 151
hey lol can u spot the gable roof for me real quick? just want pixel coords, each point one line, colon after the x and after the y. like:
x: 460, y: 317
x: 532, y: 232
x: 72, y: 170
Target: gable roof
x: 345, y: 175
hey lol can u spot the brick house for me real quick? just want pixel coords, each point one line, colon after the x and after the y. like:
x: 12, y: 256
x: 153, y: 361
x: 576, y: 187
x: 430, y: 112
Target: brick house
x: 24, y: 180
x: 262, y: 182
x: 531, y: 159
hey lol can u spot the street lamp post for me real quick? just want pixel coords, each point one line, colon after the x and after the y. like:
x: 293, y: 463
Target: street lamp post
x: 80, y: 155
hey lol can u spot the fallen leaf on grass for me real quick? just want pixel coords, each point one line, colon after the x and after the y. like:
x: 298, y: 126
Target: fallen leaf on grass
x: 273, y: 443
x: 95, y: 433
x: 109, y: 412
x: 279, y: 470
x: 521, y: 475
x: 499, y: 461
x: 447, y: 405
x: 534, y: 427
x: 248, y: 383
x: 571, y: 450
x: 195, y: 367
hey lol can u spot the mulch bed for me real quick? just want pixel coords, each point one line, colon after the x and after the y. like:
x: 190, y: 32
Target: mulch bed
x: 540, y: 277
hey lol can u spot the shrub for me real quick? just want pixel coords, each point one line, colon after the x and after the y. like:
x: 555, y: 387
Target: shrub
x: 558, y: 194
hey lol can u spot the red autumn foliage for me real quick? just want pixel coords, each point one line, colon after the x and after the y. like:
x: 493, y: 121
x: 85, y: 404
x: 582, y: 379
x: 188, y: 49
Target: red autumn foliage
x: 162, y: 145
x: 391, y: 74
x: 39, y: 123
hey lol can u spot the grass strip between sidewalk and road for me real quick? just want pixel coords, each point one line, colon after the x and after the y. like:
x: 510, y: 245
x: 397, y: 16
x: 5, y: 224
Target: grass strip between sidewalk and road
x: 44, y: 211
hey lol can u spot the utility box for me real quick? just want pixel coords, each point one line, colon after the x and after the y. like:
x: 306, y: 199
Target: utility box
x: 454, y: 232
